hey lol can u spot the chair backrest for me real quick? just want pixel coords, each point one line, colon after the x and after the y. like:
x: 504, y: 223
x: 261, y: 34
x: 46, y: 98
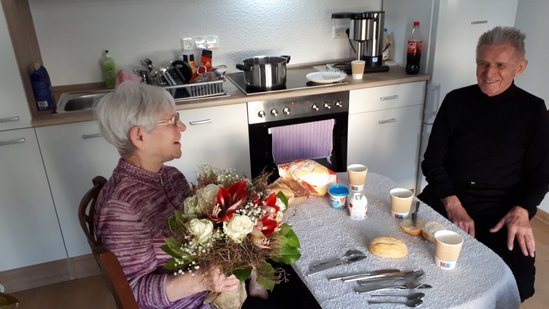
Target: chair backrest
x: 108, y: 263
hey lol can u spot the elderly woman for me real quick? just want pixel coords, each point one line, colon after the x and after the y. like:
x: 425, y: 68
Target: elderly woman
x: 142, y: 193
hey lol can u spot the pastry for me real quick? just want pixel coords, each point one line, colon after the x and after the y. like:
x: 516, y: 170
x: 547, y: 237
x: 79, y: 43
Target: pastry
x: 388, y: 247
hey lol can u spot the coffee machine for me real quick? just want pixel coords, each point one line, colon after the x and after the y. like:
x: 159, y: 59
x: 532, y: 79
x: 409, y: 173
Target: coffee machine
x: 366, y: 29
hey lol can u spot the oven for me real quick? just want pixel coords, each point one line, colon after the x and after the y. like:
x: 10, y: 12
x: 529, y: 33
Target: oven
x: 265, y: 115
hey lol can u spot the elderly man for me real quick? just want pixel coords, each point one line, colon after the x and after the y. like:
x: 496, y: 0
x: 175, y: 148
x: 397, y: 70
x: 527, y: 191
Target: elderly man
x: 487, y: 160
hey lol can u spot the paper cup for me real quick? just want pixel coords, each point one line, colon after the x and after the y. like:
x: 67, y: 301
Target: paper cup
x: 357, y: 68
x: 447, y: 248
x: 338, y: 196
x: 401, y: 202
x: 357, y: 176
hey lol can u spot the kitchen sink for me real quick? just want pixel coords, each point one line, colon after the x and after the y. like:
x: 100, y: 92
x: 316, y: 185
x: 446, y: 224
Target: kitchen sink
x: 79, y: 101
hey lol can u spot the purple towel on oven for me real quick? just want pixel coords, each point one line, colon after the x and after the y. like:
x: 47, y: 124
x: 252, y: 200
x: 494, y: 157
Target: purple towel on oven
x: 310, y: 140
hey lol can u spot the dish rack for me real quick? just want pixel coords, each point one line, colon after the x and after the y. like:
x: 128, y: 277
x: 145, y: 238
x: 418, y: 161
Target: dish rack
x: 210, y: 84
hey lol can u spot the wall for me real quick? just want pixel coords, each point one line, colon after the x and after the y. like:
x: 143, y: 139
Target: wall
x: 73, y: 33
x: 532, y: 20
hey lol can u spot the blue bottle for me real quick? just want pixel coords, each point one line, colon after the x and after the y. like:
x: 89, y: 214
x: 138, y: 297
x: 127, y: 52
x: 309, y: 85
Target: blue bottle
x: 41, y: 87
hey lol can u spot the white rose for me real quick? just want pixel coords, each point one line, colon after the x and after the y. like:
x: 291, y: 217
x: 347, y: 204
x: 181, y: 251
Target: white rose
x: 201, y: 229
x: 238, y: 227
x: 206, y: 196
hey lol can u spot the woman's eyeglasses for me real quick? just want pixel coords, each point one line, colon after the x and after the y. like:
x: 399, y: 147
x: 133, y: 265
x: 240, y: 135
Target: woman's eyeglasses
x: 174, y: 121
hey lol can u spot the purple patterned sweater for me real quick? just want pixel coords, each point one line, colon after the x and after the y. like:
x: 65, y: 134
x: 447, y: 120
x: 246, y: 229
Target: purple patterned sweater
x: 130, y: 221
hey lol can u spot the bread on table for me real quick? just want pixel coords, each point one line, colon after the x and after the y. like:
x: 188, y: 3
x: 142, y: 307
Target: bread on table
x: 406, y: 227
x: 430, y: 228
x: 388, y: 247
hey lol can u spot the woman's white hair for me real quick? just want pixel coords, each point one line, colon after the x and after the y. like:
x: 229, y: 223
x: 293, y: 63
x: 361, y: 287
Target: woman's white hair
x: 131, y: 105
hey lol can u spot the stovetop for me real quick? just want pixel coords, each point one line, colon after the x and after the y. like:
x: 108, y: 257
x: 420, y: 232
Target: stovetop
x: 295, y: 80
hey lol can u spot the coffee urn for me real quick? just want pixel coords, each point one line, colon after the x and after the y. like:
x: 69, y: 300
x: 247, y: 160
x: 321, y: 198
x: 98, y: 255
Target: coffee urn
x: 366, y: 29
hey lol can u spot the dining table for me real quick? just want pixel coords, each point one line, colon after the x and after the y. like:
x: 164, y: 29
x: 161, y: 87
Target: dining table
x: 481, y: 278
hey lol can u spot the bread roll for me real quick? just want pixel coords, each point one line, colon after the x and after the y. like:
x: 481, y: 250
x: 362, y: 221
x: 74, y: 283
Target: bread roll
x: 388, y: 247
x: 406, y: 226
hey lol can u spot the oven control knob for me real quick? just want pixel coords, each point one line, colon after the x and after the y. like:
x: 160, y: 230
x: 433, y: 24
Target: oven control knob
x: 338, y: 104
x: 261, y: 114
x: 274, y: 112
x: 314, y: 107
x: 327, y: 106
x: 286, y: 111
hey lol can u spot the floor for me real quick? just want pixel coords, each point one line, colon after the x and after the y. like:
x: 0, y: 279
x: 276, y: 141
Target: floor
x: 91, y: 293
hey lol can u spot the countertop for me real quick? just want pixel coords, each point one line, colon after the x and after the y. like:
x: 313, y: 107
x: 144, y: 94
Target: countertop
x: 396, y: 75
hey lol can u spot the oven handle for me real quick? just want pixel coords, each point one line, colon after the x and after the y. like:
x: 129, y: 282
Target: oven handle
x: 391, y: 120
x: 199, y: 122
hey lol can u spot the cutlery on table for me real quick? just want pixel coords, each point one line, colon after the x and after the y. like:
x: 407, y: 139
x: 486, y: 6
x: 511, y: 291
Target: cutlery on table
x: 381, y: 276
x: 349, y: 257
x: 414, y: 215
x: 415, y: 302
x: 369, y: 274
x: 410, y: 282
x: 408, y: 296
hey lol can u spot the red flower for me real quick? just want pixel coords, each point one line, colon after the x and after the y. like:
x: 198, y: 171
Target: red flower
x: 268, y: 224
x: 228, y: 200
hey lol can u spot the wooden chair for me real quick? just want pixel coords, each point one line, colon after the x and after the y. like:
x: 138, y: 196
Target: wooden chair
x: 108, y: 263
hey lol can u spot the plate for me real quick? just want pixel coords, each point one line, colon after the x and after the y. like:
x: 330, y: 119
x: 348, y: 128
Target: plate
x: 326, y: 77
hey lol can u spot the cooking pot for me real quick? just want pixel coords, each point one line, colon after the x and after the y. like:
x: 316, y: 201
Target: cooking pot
x: 265, y: 72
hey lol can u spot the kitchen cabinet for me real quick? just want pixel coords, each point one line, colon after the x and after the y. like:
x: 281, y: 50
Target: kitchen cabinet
x: 215, y: 135
x: 14, y: 111
x: 384, y: 130
x: 73, y: 154
x: 29, y: 231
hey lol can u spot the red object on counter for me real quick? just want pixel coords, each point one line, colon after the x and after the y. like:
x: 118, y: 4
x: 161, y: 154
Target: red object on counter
x: 206, y: 59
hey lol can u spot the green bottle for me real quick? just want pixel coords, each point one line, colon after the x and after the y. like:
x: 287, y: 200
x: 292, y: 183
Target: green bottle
x: 109, y: 70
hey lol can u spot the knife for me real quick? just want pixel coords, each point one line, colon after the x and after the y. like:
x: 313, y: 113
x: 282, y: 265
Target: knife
x: 350, y: 257
x: 414, y: 215
x: 364, y: 274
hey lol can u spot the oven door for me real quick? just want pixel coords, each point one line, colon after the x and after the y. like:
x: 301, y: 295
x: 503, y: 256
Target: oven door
x: 261, y: 142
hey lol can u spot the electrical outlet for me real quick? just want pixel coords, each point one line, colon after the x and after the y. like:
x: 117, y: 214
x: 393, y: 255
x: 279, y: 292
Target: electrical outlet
x: 187, y: 43
x: 339, y: 32
x: 212, y: 42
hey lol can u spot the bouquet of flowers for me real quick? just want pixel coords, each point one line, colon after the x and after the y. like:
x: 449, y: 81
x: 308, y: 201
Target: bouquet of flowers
x: 233, y: 223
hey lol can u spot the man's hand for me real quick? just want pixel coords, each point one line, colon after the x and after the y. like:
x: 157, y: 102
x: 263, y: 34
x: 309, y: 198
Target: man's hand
x: 458, y: 215
x: 518, y: 227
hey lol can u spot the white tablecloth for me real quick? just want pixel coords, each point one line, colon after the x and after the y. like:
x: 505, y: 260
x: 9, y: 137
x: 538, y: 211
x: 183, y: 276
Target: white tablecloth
x: 480, y: 280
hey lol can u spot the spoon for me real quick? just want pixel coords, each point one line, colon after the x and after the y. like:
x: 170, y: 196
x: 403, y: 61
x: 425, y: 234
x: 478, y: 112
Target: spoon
x: 349, y: 257
x: 414, y: 302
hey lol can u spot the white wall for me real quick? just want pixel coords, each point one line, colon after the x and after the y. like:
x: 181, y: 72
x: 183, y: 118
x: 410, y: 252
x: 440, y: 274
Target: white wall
x: 532, y: 19
x: 73, y: 33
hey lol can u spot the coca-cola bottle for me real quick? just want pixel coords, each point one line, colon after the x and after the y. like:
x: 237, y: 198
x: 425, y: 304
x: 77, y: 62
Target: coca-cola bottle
x: 413, y: 50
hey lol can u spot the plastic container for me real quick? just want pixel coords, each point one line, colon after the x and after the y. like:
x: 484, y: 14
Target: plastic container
x: 338, y: 196
x: 108, y: 68
x: 413, y: 50
x: 388, y: 46
x: 41, y: 87
x: 358, y: 206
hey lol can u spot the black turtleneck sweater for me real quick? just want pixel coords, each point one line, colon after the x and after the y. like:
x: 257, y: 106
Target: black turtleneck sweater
x: 499, y: 142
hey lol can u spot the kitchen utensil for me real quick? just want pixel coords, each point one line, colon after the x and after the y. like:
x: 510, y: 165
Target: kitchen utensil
x: 414, y: 215
x: 407, y: 296
x: 349, y: 257
x: 265, y: 72
x: 409, y: 287
x: 366, y: 277
x: 366, y: 274
x: 415, y: 302
x: 411, y: 281
x: 183, y: 71
x: 326, y: 77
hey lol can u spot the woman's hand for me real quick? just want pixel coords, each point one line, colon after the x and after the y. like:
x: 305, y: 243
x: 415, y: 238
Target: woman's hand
x: 458, y: 215
x: 206, y: 279
x: 518, y: 227
x: 213, y: 279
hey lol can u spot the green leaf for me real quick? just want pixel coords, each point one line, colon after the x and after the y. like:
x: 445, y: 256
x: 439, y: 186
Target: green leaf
x: 171, y: 247
x: 265, y: 276
x: 284, y: 200
x: 289, y: 251
x: 243, y: 273
x: 171, y: 265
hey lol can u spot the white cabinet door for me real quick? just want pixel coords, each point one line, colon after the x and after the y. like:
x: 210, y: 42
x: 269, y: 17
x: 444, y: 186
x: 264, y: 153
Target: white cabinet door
x: 384, y: 130
x: 215, y: 135
x: 29, y: 231
x: 14, y: 110
x: 73, y: 154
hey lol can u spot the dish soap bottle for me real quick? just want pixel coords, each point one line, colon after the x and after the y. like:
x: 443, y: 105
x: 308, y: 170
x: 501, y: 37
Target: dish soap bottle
x: 41, y: 87
x: 109, y: 70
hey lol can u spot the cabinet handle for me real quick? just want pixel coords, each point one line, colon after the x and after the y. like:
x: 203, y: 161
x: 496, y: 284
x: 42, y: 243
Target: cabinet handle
x: 13, y: 141
x: 391, y: 97
x: 9, y: 119
x: 199, y: 122
x: 387, y: 121
x: 93, y: 135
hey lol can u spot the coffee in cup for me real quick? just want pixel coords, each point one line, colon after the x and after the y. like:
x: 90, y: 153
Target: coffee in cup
x: 401, y: 202
x: 357, y: 176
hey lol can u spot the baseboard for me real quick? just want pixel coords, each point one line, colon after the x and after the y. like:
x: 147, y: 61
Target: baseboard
x: 29, y: 277
x: 542, y: 216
